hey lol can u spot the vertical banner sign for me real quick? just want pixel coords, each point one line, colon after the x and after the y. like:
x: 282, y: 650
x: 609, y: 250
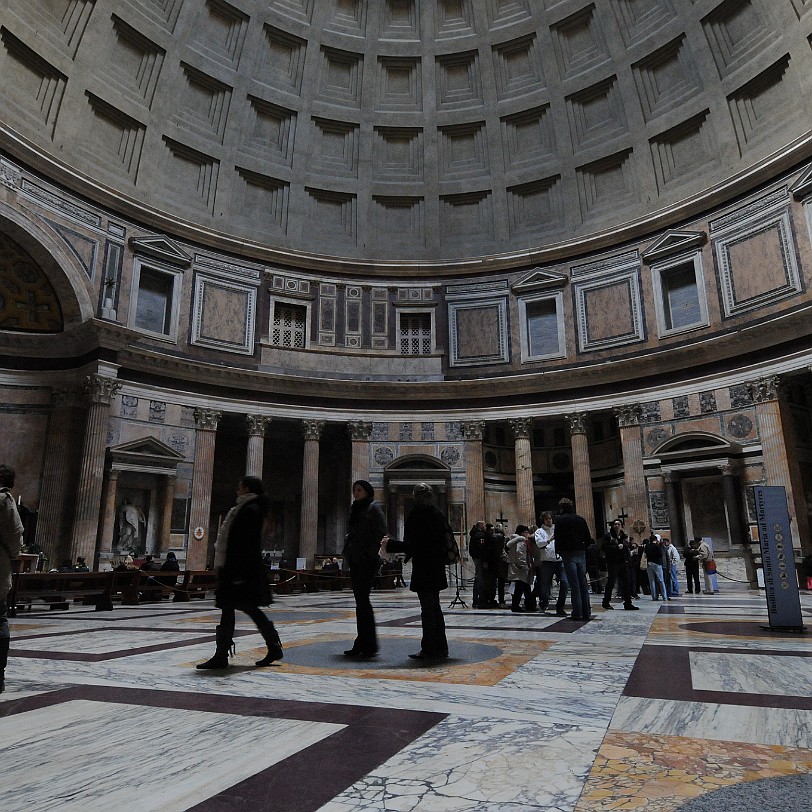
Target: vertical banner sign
x: 780, y: 578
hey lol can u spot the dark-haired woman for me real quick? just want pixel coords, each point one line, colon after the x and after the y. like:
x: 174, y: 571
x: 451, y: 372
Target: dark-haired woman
x: 365, y: 529
x: 242, y: 582
x: 424, y: 542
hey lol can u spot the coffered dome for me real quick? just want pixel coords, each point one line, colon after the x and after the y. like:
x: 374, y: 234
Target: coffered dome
x: 407, y: 131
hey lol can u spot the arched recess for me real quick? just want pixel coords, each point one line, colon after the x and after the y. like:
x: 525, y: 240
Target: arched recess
x: 704, y: 492
x: 400, y: 477
x: 61, y: 269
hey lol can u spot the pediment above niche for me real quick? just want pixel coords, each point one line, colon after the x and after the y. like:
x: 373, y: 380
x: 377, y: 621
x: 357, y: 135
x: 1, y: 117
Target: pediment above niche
x: 160, y: 248
x: 145, y: 453
x: 538, y: 279
x: 674, y: 242
x: 803, y: 186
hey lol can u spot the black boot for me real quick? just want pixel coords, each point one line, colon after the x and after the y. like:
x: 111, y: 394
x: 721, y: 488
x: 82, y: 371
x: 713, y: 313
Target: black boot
x: 225, y: 647
x: 4, y: 643
x: 274, y: 644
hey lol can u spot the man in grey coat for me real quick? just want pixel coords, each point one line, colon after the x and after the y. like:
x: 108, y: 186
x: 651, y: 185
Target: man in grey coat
x: 11, y: 540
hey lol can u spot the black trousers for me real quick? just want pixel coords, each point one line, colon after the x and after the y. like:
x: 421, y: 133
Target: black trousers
x: 362, y: 578
x: 692, y: 572
x: 434, y: 643
x: 228, y: 620
x: 618, y: 574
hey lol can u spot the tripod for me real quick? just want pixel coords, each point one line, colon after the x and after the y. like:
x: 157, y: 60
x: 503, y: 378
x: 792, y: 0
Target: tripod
x: 458, y: 599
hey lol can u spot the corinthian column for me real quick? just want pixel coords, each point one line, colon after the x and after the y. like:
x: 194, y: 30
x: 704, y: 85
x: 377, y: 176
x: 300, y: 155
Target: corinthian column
x: 100, y: 390
x: 202, y: 475
x: 525, y: 502
x: 256, y: 443
x: 309, y: 523
x: 776, y: 435
x: 59, y: 474
x: 360, y: 432
x: 582, y: 472
x: 634, y: 481
x: 473, y: 432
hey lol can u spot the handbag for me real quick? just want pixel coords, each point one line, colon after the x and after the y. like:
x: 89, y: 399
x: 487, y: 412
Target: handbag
x: 452, y: 549
x: 709, y: 566
x: 643, y: 561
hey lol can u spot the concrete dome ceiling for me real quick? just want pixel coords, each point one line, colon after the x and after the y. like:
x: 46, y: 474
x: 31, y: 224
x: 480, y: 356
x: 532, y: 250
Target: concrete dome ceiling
x: 406, y: 131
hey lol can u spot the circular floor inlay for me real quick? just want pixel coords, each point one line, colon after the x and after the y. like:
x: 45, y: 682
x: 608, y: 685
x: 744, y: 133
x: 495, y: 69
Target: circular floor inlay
x: 783, y: 794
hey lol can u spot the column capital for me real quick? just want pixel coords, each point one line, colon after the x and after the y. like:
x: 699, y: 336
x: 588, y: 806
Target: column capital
x: 725, y: 470
x: 312, y: 429
x: 207, y: 419
x: 577, y: 422
x: 669, y: 477
x: 521, y: 427
x: 359, y: 430
x: 473, y: 429
x: 101, y: 388
x: 628, y: 416
x: 764, y: 389
x: 257, y: 423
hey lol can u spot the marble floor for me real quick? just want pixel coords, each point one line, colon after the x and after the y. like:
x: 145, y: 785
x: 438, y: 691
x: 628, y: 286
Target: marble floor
x: 645, y: 710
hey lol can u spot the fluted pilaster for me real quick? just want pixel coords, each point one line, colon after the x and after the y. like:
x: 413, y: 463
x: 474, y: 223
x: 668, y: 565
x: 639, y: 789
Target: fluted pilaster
x: 473, y: 432
x: 634, y: 481
x: 360, y: 431
x: 525, y: 501
x: 256, y: 444
x: 581, y: 468
x: 100, y: 390
x: 309, y: 524
x: 198, y: 549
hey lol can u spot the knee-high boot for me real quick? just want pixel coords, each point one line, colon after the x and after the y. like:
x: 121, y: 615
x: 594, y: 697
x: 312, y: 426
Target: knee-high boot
x: 271, y: 637
x: 224, y: 647
x: 4, y: 644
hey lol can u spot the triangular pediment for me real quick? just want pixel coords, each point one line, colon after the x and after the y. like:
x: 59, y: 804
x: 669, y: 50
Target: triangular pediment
x: 147, y: 452
x: 674, y: 242
x: 161, y: 248
x: 803, y: 186
x: 538, y: 279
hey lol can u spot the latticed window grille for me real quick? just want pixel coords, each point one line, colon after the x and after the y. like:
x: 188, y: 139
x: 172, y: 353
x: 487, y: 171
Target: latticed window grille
x: 289, y: 325
x: 415, y: 334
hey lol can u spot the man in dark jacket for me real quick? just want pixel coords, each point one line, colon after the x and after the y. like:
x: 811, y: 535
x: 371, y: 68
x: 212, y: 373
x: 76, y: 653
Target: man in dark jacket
x: 476, y: 549
x: 572, y: 537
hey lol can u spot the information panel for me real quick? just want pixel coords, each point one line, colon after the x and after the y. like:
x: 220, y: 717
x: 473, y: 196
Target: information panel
x: 780, y: 579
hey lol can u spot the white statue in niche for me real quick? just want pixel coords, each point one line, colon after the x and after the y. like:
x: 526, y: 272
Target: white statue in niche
x: 131, y: 523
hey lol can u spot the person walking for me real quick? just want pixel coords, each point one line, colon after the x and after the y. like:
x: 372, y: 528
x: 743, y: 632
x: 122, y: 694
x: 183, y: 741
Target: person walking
x: 367, y: 527
x: 424, y: 535
x: 11, y: 543
x: 572, y: 537
x: 242, y: 582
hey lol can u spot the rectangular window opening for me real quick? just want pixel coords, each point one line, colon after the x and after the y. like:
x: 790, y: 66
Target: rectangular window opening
x: 289, y: 326
x: 154, y: 307
x: 415, y: 334
x: 542, y: 328
x: 681, y: 305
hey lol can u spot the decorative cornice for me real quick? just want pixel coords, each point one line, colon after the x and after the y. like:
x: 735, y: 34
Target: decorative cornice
x: 207, y: 419
x: 578, y: 422
x: 257, y: 423
x: 161, y: 248
x: 628, y: 416
x: 674, y: 242
x: 521, y: 427
x: 473, y: 429
x: 312, y: 429
x: 101, y: 389
x: 359, y: 430
x: 764, y: 389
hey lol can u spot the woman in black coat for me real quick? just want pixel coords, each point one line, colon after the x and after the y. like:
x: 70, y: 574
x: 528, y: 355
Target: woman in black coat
x: 366, y: 528
x: 424, y: 542
x: 242, y: 582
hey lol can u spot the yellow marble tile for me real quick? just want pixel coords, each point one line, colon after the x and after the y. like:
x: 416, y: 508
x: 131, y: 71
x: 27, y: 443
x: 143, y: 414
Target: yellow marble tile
x: 659, y: 773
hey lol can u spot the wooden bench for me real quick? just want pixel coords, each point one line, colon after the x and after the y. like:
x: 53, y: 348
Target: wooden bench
x: 195, y: 585
x: 134, y: 587
x: 56, y: 589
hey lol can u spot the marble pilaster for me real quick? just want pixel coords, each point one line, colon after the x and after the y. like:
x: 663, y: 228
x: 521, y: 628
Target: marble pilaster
x: 202, y: 475
x: 101, y: 389
x: 109, y: 516
x: 525, y: 498
x: 781, y: 468
x: 581, y: 468
x: 674, y: 517
x: 634, y: 481
x: 473, y: 431
x: 360, y: 431
x: 163, y: 542
x: 256, y: 444
x: 309, y: 524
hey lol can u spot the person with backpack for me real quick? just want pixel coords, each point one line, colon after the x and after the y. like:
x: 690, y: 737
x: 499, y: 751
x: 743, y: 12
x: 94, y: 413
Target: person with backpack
x: 424, y: 542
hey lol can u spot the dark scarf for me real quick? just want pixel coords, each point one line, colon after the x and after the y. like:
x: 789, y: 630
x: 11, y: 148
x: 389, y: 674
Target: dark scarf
x: 357, y: 510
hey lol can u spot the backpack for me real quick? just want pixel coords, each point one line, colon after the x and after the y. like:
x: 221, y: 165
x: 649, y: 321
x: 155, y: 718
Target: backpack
x: 452, y: 550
